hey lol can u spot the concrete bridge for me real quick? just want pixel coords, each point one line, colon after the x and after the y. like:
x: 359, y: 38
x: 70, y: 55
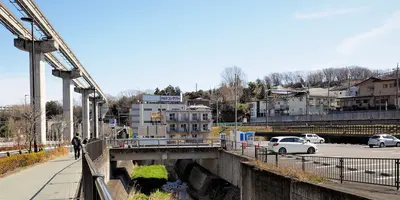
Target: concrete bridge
x: 164, y: 153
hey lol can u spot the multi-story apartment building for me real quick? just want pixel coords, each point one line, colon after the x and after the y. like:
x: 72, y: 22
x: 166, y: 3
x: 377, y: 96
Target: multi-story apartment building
x: 374, y: 93
x: 149, y: 119
x: 169, y: 120
x: 295, y: 102
x: 193, y: 122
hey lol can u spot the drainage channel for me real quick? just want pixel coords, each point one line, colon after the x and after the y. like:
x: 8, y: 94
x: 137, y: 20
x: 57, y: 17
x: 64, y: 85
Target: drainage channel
x: 186, y: 180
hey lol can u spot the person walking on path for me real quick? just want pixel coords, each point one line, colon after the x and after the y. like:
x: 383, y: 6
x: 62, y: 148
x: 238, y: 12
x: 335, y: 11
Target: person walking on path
x: 76, y: 142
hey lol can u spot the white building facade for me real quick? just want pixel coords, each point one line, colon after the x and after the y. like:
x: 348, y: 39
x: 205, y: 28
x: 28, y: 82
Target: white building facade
x: 193, y: 122
x: 171, y: 119
x: 148, y: 119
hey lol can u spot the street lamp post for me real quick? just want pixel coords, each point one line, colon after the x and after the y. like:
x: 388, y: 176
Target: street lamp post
x: 32, y: 21
x: 235, y: 108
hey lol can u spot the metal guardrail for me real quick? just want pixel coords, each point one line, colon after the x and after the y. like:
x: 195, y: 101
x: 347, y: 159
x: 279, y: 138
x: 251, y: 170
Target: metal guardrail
x: 376, y: 171
x: 343, y: 115
x: 94, y: 186
x: 164, y: 142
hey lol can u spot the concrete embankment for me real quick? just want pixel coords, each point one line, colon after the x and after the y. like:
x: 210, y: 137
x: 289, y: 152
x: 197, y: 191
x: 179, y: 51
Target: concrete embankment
x: 256, y: 183
x: 203, y: 184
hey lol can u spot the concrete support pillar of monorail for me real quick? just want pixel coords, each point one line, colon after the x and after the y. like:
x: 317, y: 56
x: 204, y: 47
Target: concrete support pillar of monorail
x: 103, y: 108
x: 68, y: 114
x: 85, y: 110
x: 37, y: 81
x: 95, y: 115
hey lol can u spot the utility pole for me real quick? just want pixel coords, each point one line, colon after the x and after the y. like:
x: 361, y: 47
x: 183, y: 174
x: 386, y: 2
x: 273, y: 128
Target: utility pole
x: 349, y: 77
x: 397, y: 86
x: 33, y: 96
x: 235, y: 108
x: 329, y: 86
x: 217, y: 114
x: 94, y: 114
x: 266, y: 108
x: 307, y: 99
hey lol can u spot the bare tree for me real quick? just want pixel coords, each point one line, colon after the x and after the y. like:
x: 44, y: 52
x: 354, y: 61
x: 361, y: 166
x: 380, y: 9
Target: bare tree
x: 129, y: 93
x: 15, y: 127
x: 228, y: 82
x: 59, y: 127
x: 268, y: 81
x: 276, y: 78
x: 342, y: 74
x: 228, y: 76
x: 329, y: 74
x: 30, y: 117
x: 359, y: 73
x: 315, y: 78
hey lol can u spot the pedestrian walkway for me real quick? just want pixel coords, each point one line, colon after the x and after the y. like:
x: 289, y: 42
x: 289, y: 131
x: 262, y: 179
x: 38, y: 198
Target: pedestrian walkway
x: 55, y: 179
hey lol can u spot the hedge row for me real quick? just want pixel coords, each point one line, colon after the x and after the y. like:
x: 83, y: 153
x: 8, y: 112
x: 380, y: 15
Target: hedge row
x: 8, y: 164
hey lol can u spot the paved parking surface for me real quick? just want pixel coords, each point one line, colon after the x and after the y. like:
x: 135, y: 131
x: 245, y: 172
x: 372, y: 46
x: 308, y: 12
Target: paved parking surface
x: 356, y: 165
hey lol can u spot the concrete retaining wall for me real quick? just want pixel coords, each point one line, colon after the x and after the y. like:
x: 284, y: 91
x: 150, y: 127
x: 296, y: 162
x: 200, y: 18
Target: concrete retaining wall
x: 102, y: 164
x: 229, y: 167
x: 262, y: 184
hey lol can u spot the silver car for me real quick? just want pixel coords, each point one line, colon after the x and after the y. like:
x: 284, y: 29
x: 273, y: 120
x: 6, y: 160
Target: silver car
x: 383, y: 140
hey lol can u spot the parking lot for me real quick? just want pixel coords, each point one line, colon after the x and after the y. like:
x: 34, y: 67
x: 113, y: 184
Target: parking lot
x: 356, y: 163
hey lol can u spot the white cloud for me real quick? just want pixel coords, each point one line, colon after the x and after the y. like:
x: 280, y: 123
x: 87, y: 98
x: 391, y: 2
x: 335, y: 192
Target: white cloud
x: 325, y: 13
x: 348, y: 45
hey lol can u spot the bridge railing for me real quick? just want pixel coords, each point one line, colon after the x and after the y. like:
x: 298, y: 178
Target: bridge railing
x: 167, y: 142
x: 93, y: 183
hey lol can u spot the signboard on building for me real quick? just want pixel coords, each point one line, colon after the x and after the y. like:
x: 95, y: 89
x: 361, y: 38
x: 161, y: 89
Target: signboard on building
x: 170, y: 98
x: 113, y: 123
x: 151, y: 98
x: 161, y: 98
x: 155, y: 115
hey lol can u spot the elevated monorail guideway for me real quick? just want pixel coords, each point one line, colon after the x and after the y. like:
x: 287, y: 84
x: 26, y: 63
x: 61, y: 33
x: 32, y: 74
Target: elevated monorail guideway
x: 32, y: 10
x: 42, y: 53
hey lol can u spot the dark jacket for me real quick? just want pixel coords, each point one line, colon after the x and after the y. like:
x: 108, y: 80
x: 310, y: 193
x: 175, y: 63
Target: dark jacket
x: 76, y: 142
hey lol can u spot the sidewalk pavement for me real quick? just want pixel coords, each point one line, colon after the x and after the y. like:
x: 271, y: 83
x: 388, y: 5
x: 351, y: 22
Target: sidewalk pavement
x: 55, y: 179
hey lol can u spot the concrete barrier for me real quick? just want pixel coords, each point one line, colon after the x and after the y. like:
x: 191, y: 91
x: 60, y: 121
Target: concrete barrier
x: 102, y: 164
x: 183, y: 168
x: 197, y: 179
x: 262, y: 184
x: 229, y: 167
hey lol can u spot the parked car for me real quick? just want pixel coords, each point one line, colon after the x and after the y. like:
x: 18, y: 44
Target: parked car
x: 383, y: 140
x: 291, y: 144
x: 314, y: 138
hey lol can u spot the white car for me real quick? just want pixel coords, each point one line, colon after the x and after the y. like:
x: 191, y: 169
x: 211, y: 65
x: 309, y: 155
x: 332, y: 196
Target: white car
x: 291, y: 144
x: 314, y: 138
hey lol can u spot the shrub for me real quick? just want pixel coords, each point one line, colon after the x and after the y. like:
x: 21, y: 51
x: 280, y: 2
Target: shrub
x: 159, y: 195
x: 151, y: 171
x: 288, y: 171
x: 11, y: 163
x: 139, y: 196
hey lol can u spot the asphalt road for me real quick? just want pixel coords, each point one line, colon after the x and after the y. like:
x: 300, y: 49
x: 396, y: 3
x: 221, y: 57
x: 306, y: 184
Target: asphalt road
x: 359, y: 164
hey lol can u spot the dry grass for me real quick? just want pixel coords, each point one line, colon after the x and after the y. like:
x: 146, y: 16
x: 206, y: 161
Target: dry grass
x: 288, y: 172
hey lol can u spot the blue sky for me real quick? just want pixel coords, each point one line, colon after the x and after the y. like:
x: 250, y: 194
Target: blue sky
x: 132, y: 44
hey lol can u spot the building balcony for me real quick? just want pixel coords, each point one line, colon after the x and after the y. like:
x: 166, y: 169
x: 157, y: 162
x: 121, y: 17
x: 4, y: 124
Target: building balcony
x: 172, y: 119
x: 208, y: 119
